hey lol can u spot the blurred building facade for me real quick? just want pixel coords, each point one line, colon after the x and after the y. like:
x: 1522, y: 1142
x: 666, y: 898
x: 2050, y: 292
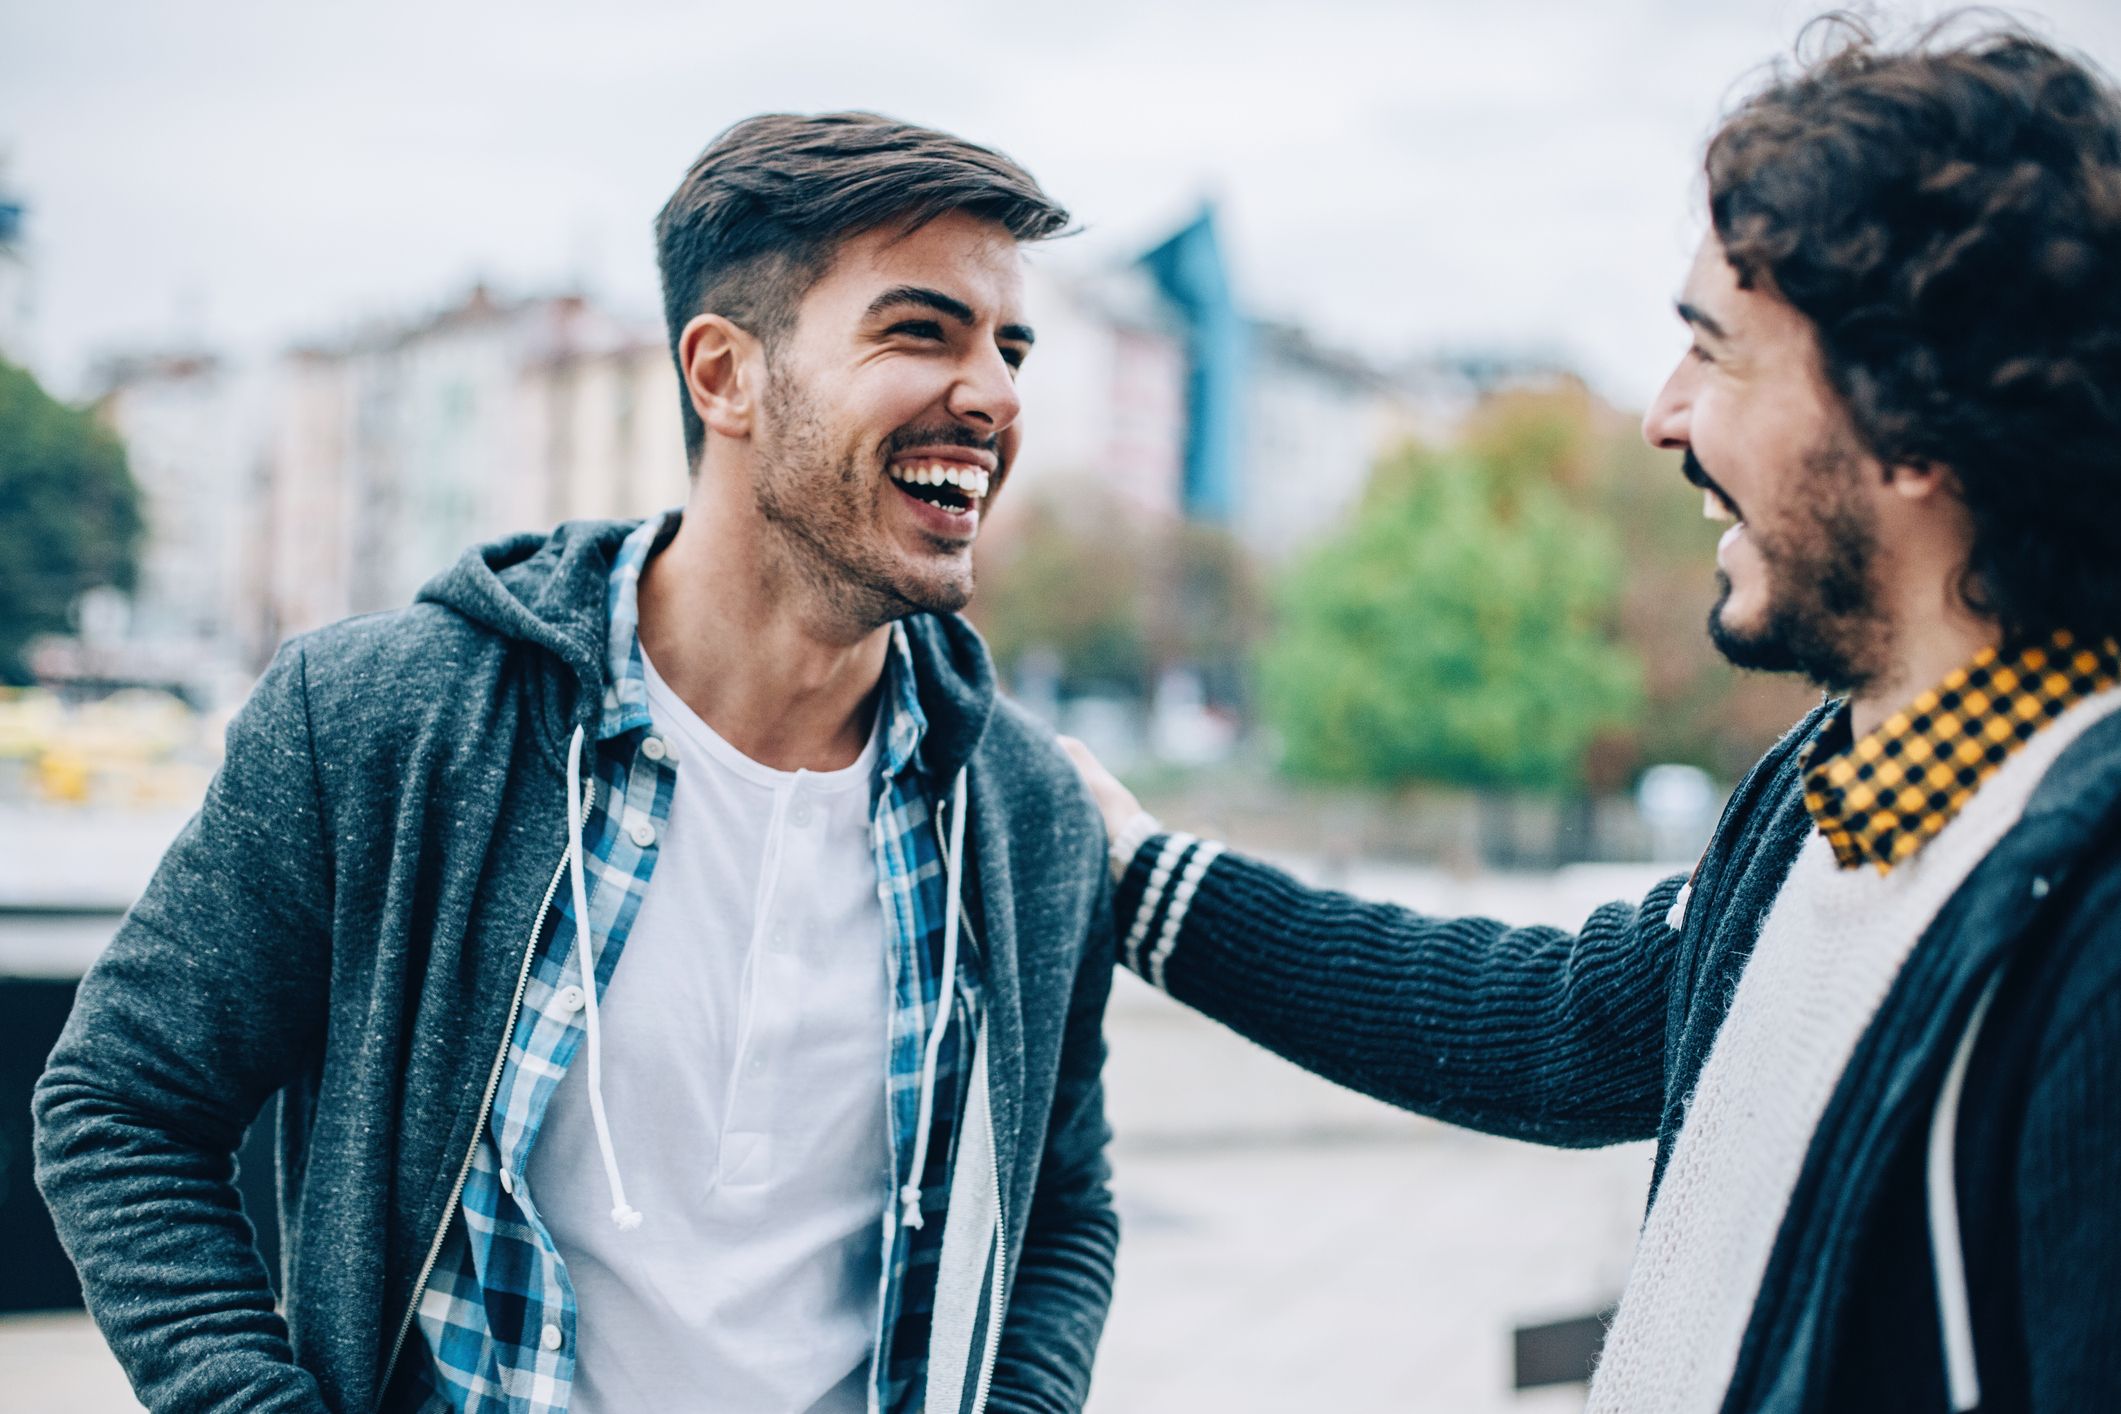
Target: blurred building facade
x: 1105, y: 397
x: 394, y: 450
x: 190, y: 421
x: 340, y: 477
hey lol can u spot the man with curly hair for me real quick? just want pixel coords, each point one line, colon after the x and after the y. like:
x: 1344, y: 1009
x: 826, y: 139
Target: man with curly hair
x: 1876, y: 1031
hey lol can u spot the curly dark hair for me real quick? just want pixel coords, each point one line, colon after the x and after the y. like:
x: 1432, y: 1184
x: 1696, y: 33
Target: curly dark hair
x: 1947, y: 213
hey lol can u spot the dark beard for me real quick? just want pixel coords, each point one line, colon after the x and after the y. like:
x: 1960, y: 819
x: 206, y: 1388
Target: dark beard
x: 1824, y: 619
x: 813, y: 514
x: 822, y: 514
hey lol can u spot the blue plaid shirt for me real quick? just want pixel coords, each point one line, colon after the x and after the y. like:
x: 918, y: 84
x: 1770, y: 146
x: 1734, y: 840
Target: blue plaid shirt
x: 498, y: 1314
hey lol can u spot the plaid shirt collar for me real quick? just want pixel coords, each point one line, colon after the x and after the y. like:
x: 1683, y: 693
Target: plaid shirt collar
x: 626, y: 677
x: 1880, y: 799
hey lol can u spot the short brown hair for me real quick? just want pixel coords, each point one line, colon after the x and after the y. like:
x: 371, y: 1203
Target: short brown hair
x: 761, y: 212
x: 1947, y: 214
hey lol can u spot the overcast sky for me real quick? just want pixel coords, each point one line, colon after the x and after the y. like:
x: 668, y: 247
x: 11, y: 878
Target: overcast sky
x: 1512, y: 175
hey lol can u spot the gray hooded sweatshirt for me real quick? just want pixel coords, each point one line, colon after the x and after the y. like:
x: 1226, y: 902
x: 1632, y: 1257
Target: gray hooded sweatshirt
x: 343, y: 924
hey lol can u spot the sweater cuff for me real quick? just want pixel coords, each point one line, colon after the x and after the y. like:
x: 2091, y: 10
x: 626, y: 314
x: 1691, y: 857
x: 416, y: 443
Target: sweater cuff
x: 1153, y: 897
x: 1128, y: 842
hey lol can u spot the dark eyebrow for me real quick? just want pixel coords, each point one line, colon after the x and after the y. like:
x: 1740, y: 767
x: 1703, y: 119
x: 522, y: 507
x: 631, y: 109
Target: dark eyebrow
x: 1700, y: 319
x: 925, y: 298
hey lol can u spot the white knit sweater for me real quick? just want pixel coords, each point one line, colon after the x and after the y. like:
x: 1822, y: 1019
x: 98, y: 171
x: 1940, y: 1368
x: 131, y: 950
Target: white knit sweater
x: 1829, y: 950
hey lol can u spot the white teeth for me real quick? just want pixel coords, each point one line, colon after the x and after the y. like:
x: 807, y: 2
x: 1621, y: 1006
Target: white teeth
x: 971, y: 480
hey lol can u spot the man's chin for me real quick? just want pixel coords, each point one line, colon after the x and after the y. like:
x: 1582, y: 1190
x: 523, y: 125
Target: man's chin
x: 1755, y: 647
x: 1837, y: 655
x: 938, y: 591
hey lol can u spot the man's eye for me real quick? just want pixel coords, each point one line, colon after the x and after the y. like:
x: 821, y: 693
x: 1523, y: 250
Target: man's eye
x: 1013, y: 357
x: 917, y: 329
x: 1699, y: 354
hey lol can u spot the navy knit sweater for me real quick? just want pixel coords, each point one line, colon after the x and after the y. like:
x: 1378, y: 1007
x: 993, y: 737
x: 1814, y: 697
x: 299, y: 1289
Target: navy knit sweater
x: 1597, y: 1036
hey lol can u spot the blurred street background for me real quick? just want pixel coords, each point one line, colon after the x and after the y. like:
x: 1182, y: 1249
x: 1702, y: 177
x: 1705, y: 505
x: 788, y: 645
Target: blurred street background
x: 1333, y: 531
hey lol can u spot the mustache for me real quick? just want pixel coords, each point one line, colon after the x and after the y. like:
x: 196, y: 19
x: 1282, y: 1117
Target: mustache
x: 1691, y: 468
x: 948, y: 435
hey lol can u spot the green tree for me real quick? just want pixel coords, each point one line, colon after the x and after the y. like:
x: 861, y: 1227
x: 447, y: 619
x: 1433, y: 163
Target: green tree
x: 69, y: 514
x: 1461, y: 630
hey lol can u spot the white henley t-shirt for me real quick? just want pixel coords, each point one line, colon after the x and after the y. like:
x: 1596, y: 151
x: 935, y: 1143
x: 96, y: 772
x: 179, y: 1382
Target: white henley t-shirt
x: 744, y: 1037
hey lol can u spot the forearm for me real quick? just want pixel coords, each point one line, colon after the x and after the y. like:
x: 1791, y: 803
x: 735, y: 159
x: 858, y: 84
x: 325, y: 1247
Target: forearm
x: 1534, y: 1033
x: 169, y: 1265
x: 1057, y: 1313
x: 207, y: 1001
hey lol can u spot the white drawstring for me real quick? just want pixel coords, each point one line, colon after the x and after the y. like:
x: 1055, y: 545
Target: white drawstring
x: 946, y: 993
x: 621, y: 1212
x: 1947, y: 1254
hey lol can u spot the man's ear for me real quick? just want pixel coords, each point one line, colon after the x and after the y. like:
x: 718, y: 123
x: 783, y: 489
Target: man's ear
x: 1920, y: 480
x: 721, y: 364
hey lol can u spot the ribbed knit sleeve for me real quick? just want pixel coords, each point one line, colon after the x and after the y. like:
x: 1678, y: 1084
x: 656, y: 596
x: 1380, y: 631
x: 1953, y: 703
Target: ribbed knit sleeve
x: 1532, y: 1033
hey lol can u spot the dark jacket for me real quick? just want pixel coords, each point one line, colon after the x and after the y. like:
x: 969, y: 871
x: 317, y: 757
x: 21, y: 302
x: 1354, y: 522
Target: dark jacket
x: 1598, y: 1036
x: 343, y: 922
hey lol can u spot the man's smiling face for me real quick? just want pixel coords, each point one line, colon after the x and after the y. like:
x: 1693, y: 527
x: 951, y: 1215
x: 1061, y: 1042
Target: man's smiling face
x: 1773, y: 451
x: 889, y: 417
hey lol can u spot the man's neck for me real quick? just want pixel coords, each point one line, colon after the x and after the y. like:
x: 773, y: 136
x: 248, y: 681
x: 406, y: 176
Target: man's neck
x: 1945, y: 642
x: 749, y: 652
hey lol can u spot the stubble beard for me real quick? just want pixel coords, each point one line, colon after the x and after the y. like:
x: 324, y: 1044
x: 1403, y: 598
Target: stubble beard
x: 1825, y: 616
x: 822, y: 518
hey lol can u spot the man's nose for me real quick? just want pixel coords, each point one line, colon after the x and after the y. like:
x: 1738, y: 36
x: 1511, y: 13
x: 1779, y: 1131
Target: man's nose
x: 985, y: 392
x: 1665, y: 425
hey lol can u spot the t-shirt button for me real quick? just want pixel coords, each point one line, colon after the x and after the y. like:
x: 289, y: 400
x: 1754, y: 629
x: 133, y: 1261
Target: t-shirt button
x: 642, y: 833
x: 800, y: 817
x: 571, y: 999
x: 550, y: 1337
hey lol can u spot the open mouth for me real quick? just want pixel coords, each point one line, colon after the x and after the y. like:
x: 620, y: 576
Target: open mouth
x: 953, y: 487
x: 1716, y: 503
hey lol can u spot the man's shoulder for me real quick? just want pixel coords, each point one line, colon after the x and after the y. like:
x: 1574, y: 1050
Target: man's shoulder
x: 1043, y: 790
x: 402, y: 649
x: 383, y: 680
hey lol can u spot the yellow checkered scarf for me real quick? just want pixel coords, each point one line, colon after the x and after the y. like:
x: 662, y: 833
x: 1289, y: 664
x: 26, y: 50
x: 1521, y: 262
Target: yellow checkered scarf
x: 1880, y: 799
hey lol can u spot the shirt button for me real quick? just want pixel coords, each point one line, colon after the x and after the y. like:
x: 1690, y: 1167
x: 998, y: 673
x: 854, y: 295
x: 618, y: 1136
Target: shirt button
x: 550, y: 1337
x: 641, y: 833
x: 654, y: 749
x: 571, y: 1000
x: 508, y: 1183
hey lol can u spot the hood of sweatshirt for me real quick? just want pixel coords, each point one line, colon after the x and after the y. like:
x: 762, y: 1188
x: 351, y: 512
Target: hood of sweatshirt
x: 548, y: 590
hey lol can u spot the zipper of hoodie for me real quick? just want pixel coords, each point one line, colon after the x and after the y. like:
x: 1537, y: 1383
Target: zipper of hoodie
x: 997, y: 1299
x: 493, y: 1086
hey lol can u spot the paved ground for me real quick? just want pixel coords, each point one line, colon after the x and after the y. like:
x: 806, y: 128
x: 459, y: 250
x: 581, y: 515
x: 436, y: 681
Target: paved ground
x: 1287, y: 1246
